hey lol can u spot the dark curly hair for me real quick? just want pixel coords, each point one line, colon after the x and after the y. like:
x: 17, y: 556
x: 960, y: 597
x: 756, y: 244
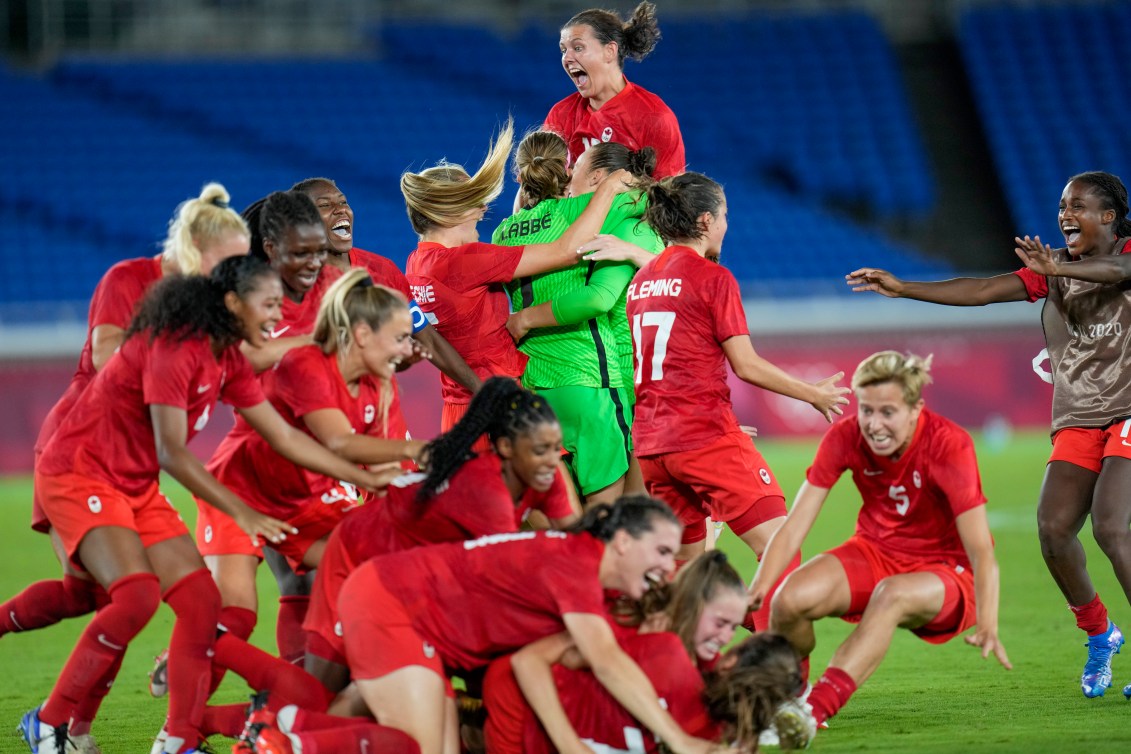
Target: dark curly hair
x: 193, y: 306
x: 635, y: 38
x: 251, y: 215
x: 283, y: 210
x: 501, y: 408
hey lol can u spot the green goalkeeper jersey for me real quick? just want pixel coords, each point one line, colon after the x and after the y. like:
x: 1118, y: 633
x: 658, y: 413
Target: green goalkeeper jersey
x: 586, y: 353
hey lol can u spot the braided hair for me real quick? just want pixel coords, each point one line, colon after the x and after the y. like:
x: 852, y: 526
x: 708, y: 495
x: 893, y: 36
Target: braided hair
x: 636, y: 514
x: 193, y: 306
x: 1114, y: 194
x: 501, y: 408
x: 283, y: 210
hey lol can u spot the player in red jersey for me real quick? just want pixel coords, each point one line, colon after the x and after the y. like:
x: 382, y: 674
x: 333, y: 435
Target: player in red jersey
x: 98, y: 480
x: 687, y: 325
x: 335, y: 390
x: 337, y: 216
x: 1087, y: 325
x: 922, y: 556
x: 606, y: 106
x: 203, y: 232
x: 457, y: 281
x: 462, y: 496
x: 408, y: 616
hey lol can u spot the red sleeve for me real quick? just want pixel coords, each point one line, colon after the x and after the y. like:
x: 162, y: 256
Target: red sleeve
x: 1036, y: 286
x: 832, y: 456
x: 554, y: 502
x: 668, y: 143
x: 169, y: 369
x: 475, y: 265
x: 242, y: 388
x: 302, y: 381
x: 384, y: 272
x: 726, y: 304
x: 955, y: 470
x: 116, y: 297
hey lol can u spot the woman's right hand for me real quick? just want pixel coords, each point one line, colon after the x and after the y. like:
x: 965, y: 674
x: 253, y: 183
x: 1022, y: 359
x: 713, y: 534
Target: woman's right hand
x: 256, y: 525
x: 620, y: 181
x: 1037, y: 256
x: 830, y: 397
x: 607, y: 248
x: 877, y: 281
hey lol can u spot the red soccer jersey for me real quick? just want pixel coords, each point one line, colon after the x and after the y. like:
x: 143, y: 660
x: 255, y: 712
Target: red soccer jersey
x: 113, y: 303
x: 682, y: 308
x: 486, y: 597
x: 108, y: 435
x: 605, y: 725
x: 381, y: 270
x: 460, y: 290
x: 304, y: 381
x: 634, y: 117
x: 910, y: 504
x: 299, y: 316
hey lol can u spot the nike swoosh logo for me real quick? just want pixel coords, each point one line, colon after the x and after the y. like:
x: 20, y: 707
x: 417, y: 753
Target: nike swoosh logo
x: 275, y: 333
x: 106, y: 642
x: 869, y: 472
x: 1128, y: 444
x: 203, y: 389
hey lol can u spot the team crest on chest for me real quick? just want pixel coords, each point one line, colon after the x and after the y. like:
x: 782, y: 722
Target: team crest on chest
x: 607, y: 134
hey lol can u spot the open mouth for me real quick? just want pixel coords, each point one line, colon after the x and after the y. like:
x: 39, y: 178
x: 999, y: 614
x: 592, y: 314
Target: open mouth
x: 1071, y: 234
x: 342, y: 230
x: 579, y: 76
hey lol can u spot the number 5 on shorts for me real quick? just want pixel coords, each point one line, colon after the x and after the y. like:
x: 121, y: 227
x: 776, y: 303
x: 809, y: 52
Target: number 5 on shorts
x: 663, y: 322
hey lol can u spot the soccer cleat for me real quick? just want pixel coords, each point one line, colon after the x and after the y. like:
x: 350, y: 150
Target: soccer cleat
x: 159, y: 742
x: 159, y: 676
x: 1097, y: 671
x: 85, y: 744
x: 795, y: 725
x: 42, y: 738
x: 1127, y: 692
x: 262, y: 738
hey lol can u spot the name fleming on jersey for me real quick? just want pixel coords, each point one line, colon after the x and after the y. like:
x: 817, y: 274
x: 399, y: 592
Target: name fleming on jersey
x: 660, y: 287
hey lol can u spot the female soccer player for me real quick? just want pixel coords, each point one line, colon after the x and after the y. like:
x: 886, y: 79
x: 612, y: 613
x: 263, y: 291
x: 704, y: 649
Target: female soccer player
x: 458, y: 281
x: 461, y: 496
x: 687, y: 324
x: 1087, y: 326
x: 335, y: 390
x: 337, y: 216
x: 573, y: 352
x: 202, y: 233
x: 922, y: 557
x: 408, y: 616
x: 607, y: 107
x: 98, y: 480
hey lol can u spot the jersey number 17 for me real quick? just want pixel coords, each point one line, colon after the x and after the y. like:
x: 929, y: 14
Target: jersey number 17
x: 663, y: 322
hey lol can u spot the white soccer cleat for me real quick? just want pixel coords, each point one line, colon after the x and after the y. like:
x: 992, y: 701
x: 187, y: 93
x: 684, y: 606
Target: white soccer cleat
x: 795, y: 725
x: 42, y: 738
x: 85, y: 744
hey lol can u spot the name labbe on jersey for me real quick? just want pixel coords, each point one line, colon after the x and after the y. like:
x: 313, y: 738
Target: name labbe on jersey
x: 529, y: 226
x: 659, y: 287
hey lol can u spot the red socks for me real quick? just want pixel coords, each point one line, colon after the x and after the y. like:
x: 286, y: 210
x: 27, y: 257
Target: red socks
x: 288, y: 684
x: 1092, y: 617
x: 133, y: 601
x: 289, y: 635
x: 196, y: 602
x: 831, y: 693
x: 45, y: 603
x: 239, y: 622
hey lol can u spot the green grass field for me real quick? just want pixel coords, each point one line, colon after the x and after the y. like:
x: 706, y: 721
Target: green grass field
x: 923, y: 698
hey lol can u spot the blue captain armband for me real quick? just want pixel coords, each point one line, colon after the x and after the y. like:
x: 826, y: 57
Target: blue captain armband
x: 419, y: 318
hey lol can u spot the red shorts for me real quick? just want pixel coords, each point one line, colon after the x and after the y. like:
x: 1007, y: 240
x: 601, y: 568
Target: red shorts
x: 1089, y: 447
x: 75, y: 504
x: 378, y: 631
x: 323, y: 629
x: 866, y: 565
x: 450, y: 416
x: 218, y: 534
x: 508, y: 709
x: 728, y: 480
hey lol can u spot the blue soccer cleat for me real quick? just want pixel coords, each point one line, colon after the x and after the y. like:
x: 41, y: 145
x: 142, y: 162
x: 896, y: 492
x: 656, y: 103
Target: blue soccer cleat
x: 1097, y: 671
x: 42, y: 738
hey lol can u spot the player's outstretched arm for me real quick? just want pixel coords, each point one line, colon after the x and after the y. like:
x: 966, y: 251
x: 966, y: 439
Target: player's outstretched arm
x: 953, y: 292
x: 974, y: 530
x: 1039, y: 258
x: 825, y: 396
x: 786, y: 541
x: 332, y: 428
x: 532, y: 666
x: 608, y: 248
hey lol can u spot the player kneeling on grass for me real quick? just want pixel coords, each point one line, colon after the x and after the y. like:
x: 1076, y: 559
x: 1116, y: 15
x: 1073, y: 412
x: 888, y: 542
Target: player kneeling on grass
x: 922, y: 557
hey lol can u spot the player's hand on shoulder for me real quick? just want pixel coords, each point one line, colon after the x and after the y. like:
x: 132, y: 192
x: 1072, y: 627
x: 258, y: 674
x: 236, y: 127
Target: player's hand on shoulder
x: 620, y: 180
x: 877, y: 281
x: 987, y: 640
x: 1035, y: 255
x: 607, y: 248
x: 831, y: 396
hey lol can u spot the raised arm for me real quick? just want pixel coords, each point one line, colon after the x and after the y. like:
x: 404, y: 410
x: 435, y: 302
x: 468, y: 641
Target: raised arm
x: 628, y: 684
x: 268, y: 355
x: 533, y: 669
x: 299, y: 448
x: 544, y: 257
x: 1038, y: 257
x: 825, y: 396
x: 953, y: 292
x: 974, y: 531
x: 786, y: 541
x: 170, y: 431
x: 609, y: 248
